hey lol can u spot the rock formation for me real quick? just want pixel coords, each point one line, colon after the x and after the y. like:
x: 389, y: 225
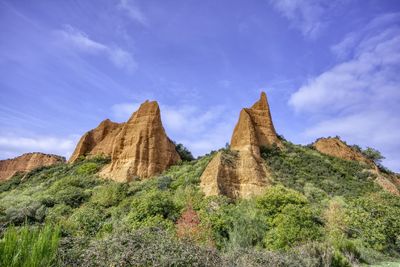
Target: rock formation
x: 335, y: 147
x: 138, y: 148
x: 97, y: 141
x: 255, y: 127
x: 241, y: 172
x: 26, y: 163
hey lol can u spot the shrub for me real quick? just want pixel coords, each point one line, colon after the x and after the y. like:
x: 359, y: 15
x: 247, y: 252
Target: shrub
x: 86, y: 220
x: 147, y: 247
x: 289, y: 217
x: 108, y: 195
x: 152, y: 208
x: 29, y: 246
x: 87, y: 168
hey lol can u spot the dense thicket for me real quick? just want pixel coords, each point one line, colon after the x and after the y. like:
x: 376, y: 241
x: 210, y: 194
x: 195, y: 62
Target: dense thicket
x: 321, y: 211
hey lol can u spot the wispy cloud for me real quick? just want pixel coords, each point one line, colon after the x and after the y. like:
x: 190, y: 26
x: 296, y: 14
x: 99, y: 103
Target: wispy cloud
x: 358, y: 98
x: 133, y: 11
x: 82, y: 42
x: 200, y: 130
x: 308, y: 16
x: 12, y: 145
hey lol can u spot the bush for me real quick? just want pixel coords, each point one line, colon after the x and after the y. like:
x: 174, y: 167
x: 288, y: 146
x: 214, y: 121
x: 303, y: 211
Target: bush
x: 86, y: 220
x: 108, y: 195
x: 29, y: 246
x: 87, y: 168
x: 289, y: 217
x: 152, y: 208
x: 147, y: 247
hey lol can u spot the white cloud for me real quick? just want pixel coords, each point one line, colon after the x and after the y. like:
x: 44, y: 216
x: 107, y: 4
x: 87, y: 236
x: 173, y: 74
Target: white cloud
x: 308, y: 16
x: 133, y: 11
x: 359, y: 98
x: 12, y: 146
x: 198, y: 129
x: 82, y: 42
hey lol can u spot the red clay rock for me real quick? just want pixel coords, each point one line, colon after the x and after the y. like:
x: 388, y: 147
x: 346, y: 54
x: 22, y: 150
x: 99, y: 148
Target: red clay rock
x: 26, y: 163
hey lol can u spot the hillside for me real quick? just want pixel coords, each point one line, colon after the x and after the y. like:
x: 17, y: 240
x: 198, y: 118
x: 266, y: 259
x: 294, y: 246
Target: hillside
x: 318, y: 211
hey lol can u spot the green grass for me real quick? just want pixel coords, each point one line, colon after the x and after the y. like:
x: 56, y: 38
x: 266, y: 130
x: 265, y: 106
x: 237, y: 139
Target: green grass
x: 30, y: 247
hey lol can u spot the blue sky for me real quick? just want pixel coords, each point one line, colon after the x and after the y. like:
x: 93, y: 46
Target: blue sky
x: 328, y: 67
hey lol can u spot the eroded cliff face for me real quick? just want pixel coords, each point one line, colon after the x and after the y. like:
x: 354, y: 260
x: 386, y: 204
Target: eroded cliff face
x: 142, y: 147
x: 98, y: 141
x: 139, y: 148
x: 255, y: 127
x: 245, y: 174
x: 337, y: 148
x: 26, y: 163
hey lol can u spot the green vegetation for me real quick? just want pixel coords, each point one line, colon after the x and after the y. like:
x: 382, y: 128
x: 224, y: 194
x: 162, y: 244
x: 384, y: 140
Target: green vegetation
x: 28, y: 246
x: 321, y: 211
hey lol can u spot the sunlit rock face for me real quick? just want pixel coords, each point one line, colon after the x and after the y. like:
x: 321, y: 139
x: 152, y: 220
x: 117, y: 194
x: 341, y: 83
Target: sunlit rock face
x: 139, y: 148
x: 26, y: 163
x: 98, y: 141
x: 241, y: 172
x: 335, y: 147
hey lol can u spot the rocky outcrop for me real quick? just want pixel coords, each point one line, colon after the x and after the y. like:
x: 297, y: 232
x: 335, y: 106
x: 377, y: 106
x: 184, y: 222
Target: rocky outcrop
x: 241, y: 171
x: 335, y: 147
x: 255, y: 127
x: 98, y: 141
x: 139, y: 148
x: 26, y: 163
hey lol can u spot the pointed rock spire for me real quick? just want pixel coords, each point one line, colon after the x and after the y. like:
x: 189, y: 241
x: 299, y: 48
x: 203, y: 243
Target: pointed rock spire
x: 138, y: 147
x: 141, y: 148
x: 244, y: 173
x: 258, y: 121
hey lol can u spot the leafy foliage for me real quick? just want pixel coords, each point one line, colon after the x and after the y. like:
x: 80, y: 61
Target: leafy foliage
x: 322, y: 211
x: 184, y: 153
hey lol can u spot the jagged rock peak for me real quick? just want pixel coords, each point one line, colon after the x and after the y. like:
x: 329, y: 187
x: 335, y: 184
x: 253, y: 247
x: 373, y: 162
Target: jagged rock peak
x: 27, y: 162
x: 141, y: 148
x: 244, y: 174
x: 255, y: 127
x: 96, y: 141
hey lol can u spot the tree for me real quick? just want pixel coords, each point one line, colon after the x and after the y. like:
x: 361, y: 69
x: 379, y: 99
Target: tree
x: 373, y: 155
x: 184, y: 153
